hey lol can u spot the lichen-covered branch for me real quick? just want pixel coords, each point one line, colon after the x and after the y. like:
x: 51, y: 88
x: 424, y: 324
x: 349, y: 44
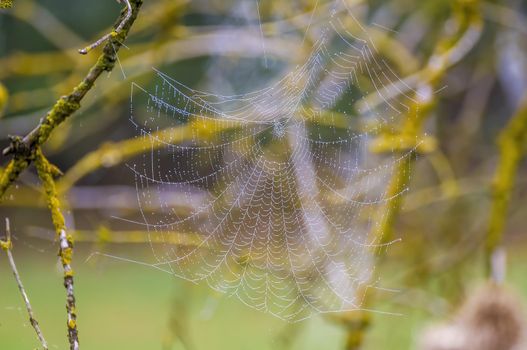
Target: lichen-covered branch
x: 28, y: 149
x: 12, y: 171
x: 24, y: 149
x: 46, y: 173
x: 114, y: 33
x: 512, y: 143
x: 449, y: 50
x: 7, y: 245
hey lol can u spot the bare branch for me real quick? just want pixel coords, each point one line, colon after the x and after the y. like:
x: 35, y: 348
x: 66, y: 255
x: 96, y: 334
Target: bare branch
x: 7, y: 246
x: 113, y: 33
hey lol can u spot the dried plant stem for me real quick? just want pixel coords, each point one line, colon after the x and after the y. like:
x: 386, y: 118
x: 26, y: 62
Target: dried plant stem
x: 114, y: 33
x: 7, y: 246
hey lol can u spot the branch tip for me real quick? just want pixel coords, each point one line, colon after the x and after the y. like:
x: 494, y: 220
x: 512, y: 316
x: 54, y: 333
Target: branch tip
x: 112, y: 34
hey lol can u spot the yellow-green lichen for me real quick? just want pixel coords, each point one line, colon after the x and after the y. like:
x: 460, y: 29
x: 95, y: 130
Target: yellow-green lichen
x: 62, y: 109
x: 4, y: 95
x: 512, y: 143
x: 6, y: 245
x: 66, y: 255
x: 72, y: 324
x: 11, y: 173
x: 4, y: 4
x: 46, y: 172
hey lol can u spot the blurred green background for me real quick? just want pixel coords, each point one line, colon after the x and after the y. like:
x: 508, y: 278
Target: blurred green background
x: 443, y: 222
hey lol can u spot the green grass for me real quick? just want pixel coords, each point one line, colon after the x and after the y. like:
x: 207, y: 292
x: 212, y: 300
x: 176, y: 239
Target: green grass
x: 127, y: 306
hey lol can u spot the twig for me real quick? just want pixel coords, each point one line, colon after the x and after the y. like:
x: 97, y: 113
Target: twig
x: 113, y: 33
x: 7, y: 246
x: 24, y: 148
x: 46, y: 172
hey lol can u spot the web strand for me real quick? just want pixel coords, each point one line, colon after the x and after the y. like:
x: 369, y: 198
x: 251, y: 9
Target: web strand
x: 290, y: 184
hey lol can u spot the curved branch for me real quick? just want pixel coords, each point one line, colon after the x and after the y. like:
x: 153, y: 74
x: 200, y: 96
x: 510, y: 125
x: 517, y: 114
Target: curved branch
x: 24, y: 149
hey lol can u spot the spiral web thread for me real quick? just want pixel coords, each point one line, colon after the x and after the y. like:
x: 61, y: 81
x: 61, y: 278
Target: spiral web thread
x: 276, y: 187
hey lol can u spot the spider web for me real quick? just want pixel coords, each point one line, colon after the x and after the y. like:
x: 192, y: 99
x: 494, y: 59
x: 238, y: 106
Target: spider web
x: 277, y: 186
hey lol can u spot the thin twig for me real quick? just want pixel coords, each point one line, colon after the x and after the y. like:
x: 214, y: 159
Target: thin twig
x: 112, y: 33
x: 7, y: 246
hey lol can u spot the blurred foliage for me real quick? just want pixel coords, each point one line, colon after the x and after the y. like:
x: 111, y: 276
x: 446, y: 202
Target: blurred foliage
x: 467, y: 174
x: 6, y: 4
